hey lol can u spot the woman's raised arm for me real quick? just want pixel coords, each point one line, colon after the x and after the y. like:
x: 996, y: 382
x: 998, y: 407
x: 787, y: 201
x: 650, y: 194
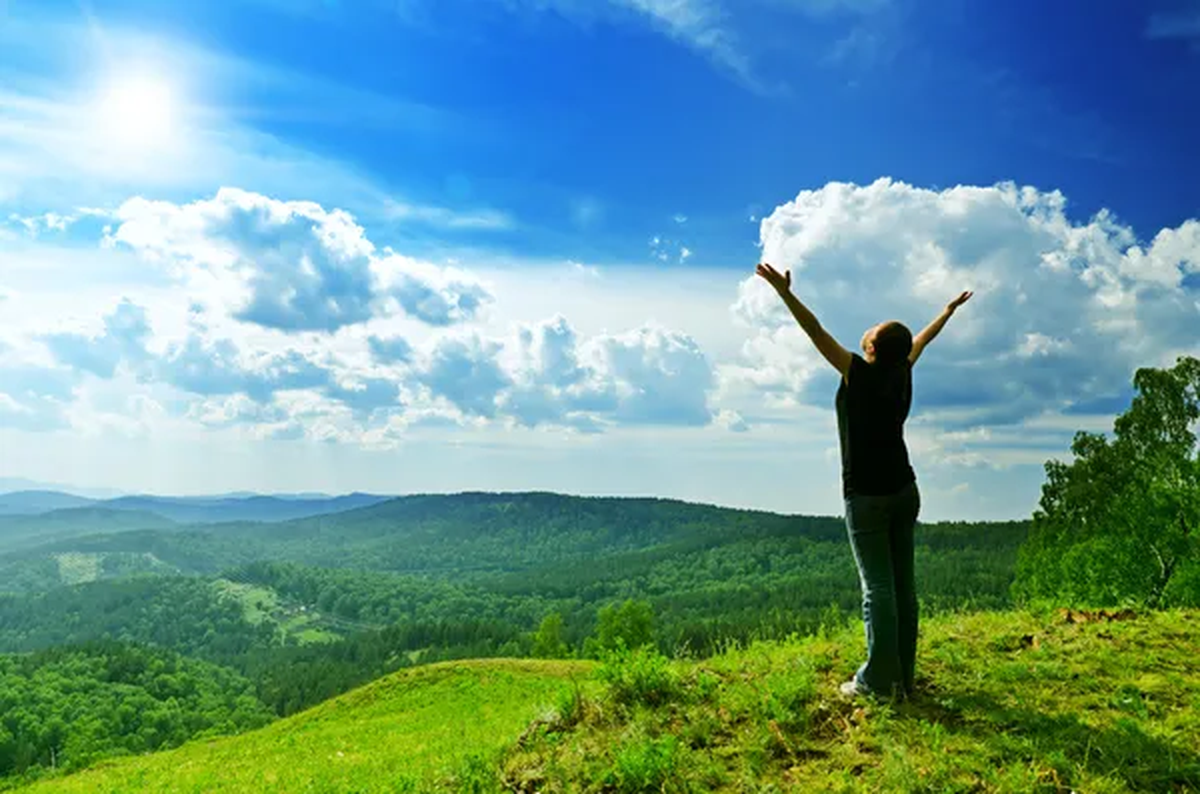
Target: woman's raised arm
x: 833, y: 352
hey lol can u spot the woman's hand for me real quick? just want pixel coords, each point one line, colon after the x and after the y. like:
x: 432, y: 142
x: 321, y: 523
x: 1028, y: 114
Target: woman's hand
x: 959, y: 301
x: 781, y: 282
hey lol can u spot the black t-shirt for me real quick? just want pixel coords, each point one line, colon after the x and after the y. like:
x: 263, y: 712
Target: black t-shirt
x: 872, y: 405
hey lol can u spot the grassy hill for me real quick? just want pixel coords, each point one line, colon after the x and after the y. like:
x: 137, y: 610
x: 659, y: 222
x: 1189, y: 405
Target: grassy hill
x: 1009, y: 702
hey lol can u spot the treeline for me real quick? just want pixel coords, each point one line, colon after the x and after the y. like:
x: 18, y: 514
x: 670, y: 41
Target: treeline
x: 64, y: 708
x: 702, y: 592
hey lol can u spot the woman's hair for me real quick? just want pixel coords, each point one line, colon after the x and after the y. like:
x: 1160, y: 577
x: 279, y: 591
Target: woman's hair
x: 893, y: 343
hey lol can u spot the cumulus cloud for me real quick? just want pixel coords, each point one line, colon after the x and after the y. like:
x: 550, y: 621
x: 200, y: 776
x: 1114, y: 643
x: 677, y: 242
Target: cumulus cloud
x: 48, y: 221
x: 33, y: 397
x: 219, y: 367
x: 259, y: 271
x: 393, y: 350
x: 465, y: 372
x: 292, y: 266
x: 438, y: 296
x: 1064, y: 311
x: 123, y: 338
x: 253, y: 383
x: 550, y: 384
x: 662, y: 376
x: 545, y: 375
x: 732, y: 421
x: 226, y: 383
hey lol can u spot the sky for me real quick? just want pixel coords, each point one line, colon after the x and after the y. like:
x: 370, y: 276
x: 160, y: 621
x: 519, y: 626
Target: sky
x: 405, y: 246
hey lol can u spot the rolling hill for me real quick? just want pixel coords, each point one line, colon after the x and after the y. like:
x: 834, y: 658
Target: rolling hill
x: 458, y: 533
x: 31, y: 502
x: 1007, y: 702
x: 55, y: 526
x: 212, y: 510
x: 192, y: 509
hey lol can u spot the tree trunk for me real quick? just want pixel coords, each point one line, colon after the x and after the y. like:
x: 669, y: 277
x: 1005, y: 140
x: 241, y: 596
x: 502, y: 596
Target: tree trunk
x: 1166, y: 570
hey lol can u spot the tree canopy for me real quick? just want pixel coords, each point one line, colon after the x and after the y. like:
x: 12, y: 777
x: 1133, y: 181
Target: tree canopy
x: 1121, y: 523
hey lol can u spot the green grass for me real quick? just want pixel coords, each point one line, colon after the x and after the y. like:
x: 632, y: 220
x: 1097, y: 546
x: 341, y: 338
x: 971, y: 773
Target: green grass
x: 306, y: 628
x: 258, y: 603
x: 78, y: 567
x: 401, y: 733
x: 1009, y: 702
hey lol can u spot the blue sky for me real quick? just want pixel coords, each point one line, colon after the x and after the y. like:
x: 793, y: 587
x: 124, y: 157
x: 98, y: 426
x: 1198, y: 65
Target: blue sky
x: 402, y: 246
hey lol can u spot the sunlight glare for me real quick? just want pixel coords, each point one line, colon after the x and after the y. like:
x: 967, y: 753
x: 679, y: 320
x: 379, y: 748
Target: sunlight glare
x: 137, y: 111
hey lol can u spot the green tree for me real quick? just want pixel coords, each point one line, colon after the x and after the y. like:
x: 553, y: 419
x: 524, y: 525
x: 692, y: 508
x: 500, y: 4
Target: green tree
x: 1118, y: 525
x: 548, y: 642
x: 630, y: 625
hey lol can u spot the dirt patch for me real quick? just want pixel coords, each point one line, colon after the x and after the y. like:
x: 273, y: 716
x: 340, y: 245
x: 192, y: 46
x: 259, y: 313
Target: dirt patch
x: 1099, y: 616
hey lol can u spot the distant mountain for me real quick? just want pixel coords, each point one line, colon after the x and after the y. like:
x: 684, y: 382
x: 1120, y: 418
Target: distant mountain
x: 455, y: 533
x: 193, y: 509
x: 28, y: 502
x: 215, y: 510
x: 25, y: 531
x: 10, y: 484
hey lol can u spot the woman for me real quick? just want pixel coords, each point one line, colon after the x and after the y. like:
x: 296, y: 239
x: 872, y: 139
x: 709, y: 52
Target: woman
x: 878, y: 484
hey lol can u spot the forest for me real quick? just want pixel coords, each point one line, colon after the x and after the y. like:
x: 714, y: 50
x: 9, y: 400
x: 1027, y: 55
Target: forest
x: 568, y: 576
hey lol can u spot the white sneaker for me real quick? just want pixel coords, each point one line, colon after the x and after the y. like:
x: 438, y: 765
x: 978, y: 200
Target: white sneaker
x: 849, y: 688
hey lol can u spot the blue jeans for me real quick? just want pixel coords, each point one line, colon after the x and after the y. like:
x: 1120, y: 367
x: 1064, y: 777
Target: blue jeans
x: 881, y: 536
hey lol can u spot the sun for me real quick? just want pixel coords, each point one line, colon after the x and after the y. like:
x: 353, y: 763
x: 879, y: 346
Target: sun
x: 137, y: 111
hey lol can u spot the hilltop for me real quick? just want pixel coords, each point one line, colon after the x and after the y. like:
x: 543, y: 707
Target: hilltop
x: 1009, y: 702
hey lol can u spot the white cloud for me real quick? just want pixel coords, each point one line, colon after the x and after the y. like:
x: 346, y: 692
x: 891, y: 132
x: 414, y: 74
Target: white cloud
x: 485, y: 219
x: 390, y: 350
x: 715, y: 29
x: 1063, y: 311
x: 435, y: 295
x: 700, y: 24
x: 661, y: 376
x: 543, y: 374
x: 666, y: 250
x: 49, y: 221
x: 123, y: 338
x: 732, y: 420
x: 464, y: 371
x: 289, y: 265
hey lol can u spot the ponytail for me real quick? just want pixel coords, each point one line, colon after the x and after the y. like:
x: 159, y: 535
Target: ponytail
x: 893, y: 344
